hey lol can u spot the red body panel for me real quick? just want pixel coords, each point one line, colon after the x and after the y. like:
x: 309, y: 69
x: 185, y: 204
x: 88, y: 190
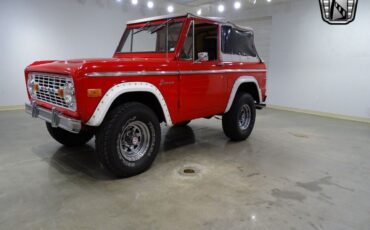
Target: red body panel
x: 189, y: 96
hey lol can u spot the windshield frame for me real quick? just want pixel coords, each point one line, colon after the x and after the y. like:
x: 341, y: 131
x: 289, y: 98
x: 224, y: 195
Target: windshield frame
x: 149, y: 24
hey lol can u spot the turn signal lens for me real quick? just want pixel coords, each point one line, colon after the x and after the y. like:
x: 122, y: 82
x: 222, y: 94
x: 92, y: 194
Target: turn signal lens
x: 60, y: 92
x: 36, y: 87
x: 94, y: 92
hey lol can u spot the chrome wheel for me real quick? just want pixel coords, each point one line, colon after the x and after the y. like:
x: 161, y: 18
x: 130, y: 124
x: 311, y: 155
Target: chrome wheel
x: 134, y: 140
x: 245, y: 117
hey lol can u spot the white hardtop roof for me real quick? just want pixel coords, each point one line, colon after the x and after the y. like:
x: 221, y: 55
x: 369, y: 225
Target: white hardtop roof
x: 216, y: 19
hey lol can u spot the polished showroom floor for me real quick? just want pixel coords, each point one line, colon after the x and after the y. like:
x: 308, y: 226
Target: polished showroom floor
x: 295, y: 172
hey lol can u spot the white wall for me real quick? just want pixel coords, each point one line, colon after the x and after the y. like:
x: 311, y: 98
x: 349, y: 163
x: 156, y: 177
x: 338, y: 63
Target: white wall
x: 317, y: 66
x: 313, y: 65
x: 55, y: 29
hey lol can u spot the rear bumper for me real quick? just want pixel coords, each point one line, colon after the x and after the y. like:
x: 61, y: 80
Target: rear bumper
x: 54, y: 117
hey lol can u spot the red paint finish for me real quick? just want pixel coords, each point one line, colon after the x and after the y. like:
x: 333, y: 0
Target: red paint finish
x: 188, y: 96
x: 201, y: 95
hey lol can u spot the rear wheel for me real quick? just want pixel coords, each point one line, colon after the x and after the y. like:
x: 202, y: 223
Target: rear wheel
x: 238, y: 122
x: 128, y: 140
x: 67, y: 138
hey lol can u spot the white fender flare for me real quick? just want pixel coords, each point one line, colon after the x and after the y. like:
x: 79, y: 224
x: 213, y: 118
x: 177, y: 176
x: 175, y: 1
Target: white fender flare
x: 101, y: 110
x: 237, y: 83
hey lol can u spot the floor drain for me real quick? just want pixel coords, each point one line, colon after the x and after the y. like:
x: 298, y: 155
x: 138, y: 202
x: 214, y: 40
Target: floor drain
x: 188, y: 171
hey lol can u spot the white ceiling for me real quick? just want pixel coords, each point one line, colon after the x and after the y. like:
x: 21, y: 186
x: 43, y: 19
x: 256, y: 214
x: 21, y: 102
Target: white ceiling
x: 195, y: 3
x: 210, y: 6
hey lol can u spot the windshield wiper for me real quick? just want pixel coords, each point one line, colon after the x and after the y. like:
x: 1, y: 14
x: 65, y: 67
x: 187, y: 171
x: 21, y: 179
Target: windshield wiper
x: 161, y: 26
x: 144, y: 27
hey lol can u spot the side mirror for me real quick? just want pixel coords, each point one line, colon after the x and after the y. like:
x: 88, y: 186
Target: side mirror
x: 202, y: 56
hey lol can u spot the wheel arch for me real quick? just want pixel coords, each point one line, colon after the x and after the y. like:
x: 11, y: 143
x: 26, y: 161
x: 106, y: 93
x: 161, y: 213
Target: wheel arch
x: 247, y: 84
x: 142, y: 92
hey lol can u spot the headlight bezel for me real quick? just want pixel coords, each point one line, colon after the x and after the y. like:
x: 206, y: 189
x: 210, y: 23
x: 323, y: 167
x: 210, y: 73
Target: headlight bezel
x: 69, y: 94
x: 31, y: 86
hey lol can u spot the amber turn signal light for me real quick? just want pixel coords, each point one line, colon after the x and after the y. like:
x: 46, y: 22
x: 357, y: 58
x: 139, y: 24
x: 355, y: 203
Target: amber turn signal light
x: 94, y: 92
x: 36, y: 87
x: 60, y: 92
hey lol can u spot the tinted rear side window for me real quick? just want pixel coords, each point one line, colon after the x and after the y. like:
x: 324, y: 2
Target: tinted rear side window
x: 238, y: 42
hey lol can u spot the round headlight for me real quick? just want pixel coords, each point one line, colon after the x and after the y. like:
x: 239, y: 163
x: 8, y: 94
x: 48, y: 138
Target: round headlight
x: 31, y: 85
x: 69, y: 94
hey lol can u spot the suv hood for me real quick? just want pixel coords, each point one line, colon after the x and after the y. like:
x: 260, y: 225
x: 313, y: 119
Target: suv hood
x: 82, y: 67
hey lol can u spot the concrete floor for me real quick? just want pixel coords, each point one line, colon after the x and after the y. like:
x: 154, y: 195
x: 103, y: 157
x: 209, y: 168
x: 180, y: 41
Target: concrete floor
x: 295, y: 172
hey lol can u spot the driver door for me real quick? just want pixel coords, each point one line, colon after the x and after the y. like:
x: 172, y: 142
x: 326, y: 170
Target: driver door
x: 202, y: 86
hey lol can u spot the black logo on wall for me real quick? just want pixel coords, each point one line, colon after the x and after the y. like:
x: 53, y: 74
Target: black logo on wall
x: 338, y: 12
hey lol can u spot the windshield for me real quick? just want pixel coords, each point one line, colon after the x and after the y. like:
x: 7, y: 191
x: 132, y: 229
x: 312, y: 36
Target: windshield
x: 151, y: 38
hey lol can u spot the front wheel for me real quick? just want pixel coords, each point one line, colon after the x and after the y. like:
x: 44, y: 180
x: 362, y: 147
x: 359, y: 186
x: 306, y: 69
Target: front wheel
x: 67, y: 138
x: 238, y: 122
x: 128, y: 140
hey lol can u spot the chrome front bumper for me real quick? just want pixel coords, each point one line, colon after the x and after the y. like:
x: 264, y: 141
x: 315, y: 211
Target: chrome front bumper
x: 54, y: 117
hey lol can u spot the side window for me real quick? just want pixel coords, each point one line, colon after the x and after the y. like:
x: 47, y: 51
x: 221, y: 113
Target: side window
x: 201, y: 40
x: 237, y: 42
x: 244, y: 43
x: 206, y: 37
x: 187, y: 48
x: 226, y: 45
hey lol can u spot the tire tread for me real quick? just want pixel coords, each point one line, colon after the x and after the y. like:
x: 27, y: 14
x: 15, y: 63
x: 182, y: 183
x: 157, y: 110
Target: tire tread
x: 229, y: 120
x: 103, y: 138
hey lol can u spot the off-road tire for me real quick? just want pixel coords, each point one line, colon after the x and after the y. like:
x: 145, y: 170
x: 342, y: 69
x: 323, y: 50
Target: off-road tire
x: 112, y: 133
x: 67, y: 138
x: 183, y: 124
x: 231, y: 119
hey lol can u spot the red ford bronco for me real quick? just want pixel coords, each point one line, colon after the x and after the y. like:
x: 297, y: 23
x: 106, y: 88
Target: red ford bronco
x: 170, y: 69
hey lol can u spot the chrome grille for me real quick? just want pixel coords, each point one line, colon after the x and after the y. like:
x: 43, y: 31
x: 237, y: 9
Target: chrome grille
x: 48, y: 88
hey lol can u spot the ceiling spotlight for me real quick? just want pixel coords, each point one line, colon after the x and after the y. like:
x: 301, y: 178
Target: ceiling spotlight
x: 268, y: 0
x: 150, y: 4
x: 170, y: 9
x: 134, y: 2
x: 237, y: 5
x: 118, y: 0
x: 221, y: 8
x: 199, y: 12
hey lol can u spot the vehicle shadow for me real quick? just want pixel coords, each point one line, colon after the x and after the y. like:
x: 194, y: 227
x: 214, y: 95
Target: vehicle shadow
x: 83, y: 160
x: 177, y: 137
